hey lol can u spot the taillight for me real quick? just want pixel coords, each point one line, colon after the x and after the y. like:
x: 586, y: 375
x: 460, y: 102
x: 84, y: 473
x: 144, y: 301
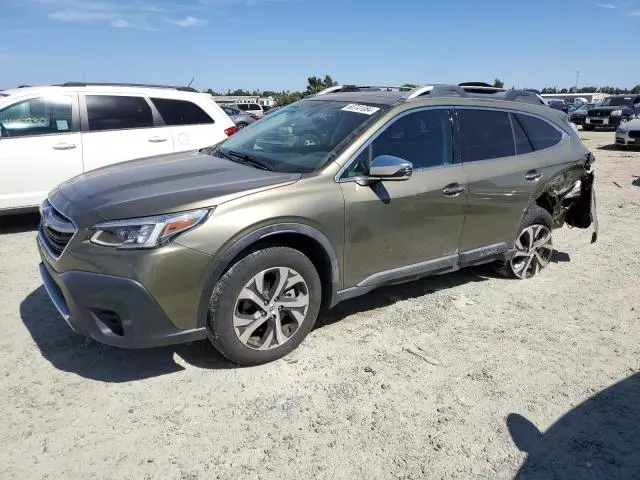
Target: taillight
x: 231, y: 130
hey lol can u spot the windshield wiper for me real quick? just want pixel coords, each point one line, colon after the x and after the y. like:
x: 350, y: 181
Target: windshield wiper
x: 246, y: 159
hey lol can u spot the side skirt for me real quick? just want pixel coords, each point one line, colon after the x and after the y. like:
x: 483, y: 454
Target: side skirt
x: 438, y: 266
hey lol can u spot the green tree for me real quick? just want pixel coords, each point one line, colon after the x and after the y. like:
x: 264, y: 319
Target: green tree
x: 315, y: 84
x: 498, y: 83
x: 211, y: 92
x: 564, y: 90
x: 636, y: 89
x: 409, y: 85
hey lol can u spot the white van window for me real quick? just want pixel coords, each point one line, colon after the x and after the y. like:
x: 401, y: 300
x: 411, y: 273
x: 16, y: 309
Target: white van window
x: 37, y: 116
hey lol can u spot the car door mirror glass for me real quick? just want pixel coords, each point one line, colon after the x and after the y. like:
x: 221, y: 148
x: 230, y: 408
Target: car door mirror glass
x: 388, y: 167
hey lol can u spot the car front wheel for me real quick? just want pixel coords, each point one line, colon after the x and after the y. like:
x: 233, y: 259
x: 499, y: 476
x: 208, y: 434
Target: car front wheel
x: 264, y: 306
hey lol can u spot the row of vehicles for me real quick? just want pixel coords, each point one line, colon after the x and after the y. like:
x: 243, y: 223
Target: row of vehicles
x: 247, y: 240
x: 620, y: 112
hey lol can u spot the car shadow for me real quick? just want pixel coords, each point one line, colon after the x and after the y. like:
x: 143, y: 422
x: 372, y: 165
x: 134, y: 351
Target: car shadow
x: 70, y: 352
x: 386, y: 296
x: 611, y: 147
x: 597, y: 440
x: 26, y: 222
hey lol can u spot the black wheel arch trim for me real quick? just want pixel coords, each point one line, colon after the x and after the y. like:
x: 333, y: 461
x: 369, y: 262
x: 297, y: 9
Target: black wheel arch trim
x: 223, y: 261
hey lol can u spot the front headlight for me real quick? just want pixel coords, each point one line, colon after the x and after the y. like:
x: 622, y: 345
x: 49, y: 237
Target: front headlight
x: 148, y: 232
x: 616, y: 113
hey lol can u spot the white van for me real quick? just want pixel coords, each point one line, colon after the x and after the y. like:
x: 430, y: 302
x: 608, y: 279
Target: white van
x: 50, y: 134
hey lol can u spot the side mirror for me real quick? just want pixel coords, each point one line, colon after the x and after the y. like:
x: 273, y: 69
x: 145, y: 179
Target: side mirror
x: 388, y: 167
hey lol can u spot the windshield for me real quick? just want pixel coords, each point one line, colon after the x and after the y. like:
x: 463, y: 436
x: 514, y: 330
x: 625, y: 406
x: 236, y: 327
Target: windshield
x: 616, y: 102
x: 302, y: 137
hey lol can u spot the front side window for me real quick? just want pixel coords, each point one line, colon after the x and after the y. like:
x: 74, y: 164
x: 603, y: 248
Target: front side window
x: 485, y: 134
x: 540, y: 133
x: 38, y: 116
x: 106, y: 112
x: 181, y: 112
x: 422, y: 138
x: 302, y: 137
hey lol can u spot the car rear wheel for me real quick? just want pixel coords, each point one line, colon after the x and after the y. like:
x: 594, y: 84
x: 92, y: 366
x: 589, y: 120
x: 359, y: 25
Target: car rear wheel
x: 533, y: 247
x: 264, y: 306
x: 241, y: 125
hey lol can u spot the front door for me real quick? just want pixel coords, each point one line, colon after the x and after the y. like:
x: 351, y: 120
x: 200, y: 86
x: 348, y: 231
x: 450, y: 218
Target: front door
x: 395, y: 224
x: 40, y: 147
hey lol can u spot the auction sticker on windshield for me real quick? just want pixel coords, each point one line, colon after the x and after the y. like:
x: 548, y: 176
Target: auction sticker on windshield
x: 357, y: 108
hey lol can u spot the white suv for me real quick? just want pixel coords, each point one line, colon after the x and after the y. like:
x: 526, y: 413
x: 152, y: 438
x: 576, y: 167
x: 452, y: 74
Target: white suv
x: 52, y: 133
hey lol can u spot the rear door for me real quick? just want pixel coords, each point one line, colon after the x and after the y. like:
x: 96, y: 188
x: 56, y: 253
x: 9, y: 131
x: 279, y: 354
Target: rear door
x: 391, y: 225
x: 117, y: 128
x: 506, y: 156
x: 40, y: 147
x: 191, y: 126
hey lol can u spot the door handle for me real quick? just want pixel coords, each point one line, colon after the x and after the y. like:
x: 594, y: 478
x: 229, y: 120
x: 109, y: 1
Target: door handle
x: 533, y: 176
x: 157, y: 139
x: 453, y: 190
x: 64, y: 146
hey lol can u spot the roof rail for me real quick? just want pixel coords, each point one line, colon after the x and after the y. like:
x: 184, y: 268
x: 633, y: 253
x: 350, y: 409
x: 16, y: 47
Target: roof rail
x: 140, y: 85
x: 362, y: 88
x: 438, y: 90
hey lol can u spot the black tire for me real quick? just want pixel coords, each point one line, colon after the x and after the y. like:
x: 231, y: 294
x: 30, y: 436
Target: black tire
x: 535, y: 215
x: 220, y: 327
x: 242, y: 125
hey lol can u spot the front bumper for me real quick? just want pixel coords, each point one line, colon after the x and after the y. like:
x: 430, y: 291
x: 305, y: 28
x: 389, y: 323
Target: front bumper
x: 625, y: 139
x: 112, y: 310
x: 606, y: 122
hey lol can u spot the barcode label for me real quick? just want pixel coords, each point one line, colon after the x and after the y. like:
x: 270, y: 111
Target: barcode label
x: 357, y: 108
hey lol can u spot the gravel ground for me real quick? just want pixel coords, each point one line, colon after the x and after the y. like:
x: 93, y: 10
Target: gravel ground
x: 443, y: 378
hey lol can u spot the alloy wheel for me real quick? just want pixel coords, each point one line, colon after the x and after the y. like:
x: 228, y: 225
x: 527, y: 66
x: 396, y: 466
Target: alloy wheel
x: 534, y: 248
x: 270, y: 308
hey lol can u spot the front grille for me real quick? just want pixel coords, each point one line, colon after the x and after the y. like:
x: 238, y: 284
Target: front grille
x: 596, y: 122
x: 598, y: 113
x: 634, y: 134
x: 56, y: 230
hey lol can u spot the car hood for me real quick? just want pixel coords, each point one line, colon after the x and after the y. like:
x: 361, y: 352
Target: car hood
x: 632, y: 124
x: 157, y: 185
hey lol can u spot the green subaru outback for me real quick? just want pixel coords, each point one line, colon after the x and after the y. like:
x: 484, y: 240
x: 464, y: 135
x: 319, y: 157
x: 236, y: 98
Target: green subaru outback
x: 324, y: 200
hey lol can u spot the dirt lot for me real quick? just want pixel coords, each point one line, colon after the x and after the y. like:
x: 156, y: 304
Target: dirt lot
x: 437, y: 379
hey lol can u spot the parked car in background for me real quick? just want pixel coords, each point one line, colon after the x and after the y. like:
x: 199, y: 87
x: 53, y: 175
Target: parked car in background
x: 52, y: 133
x: 247, y: 242
x: 557, y: 104
x: 612, y: 111
x: 252, y: 108
x: 628, y: 133
x: 579, y: 115
x: 237, y: 116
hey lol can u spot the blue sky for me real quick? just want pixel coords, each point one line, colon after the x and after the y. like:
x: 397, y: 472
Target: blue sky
x: 277, y: 44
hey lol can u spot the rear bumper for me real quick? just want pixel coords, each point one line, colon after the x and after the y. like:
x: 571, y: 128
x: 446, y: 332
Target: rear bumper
x: 112, y: 310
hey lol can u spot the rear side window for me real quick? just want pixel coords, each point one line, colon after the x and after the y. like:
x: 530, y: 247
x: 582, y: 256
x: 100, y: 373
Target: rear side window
x: 38, y: 116
x: 485, y: 134
x: 243, y: 106
x: 181, y: 112
x: 107, y: 112
x: 523, y: 143
x: 541, y: 134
